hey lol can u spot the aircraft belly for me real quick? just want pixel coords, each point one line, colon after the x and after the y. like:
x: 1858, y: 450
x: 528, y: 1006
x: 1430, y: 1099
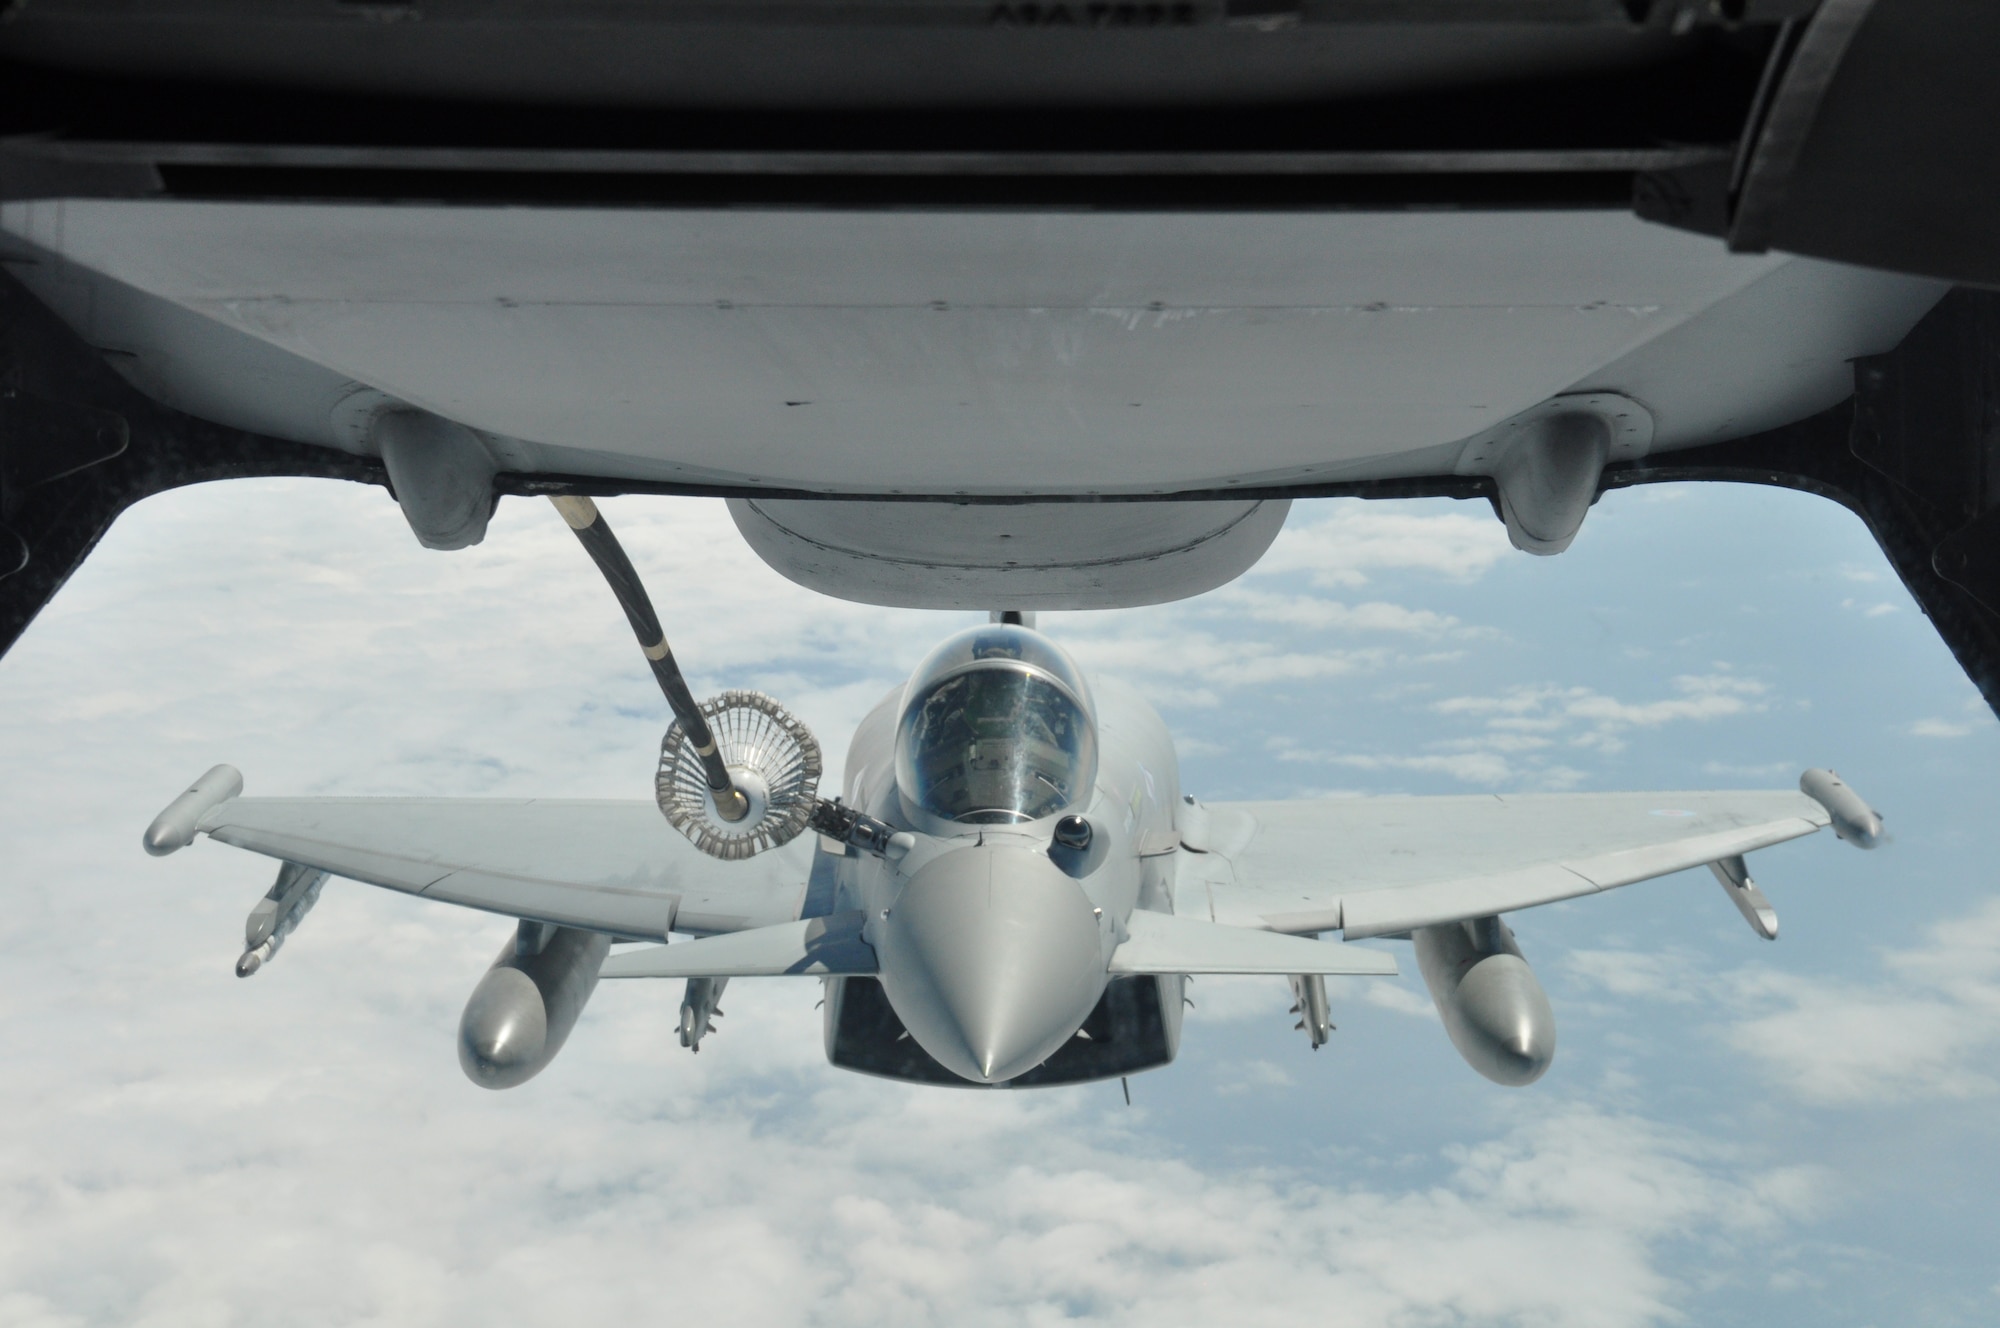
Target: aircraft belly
x: 865, y: 352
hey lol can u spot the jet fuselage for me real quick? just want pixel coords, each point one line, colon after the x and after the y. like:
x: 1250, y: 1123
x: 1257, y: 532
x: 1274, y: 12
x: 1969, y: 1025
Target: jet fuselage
x: 991, y: 954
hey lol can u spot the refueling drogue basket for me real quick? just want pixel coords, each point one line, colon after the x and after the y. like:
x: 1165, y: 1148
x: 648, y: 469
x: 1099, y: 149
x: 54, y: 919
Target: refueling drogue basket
x: 775, y: 760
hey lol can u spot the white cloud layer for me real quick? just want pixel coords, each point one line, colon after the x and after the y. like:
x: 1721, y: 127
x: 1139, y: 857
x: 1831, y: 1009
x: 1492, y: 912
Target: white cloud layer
x: 1941, y: 728
x: 388, y: 1196
x: 1340, y: 545
x: 1586, y: 718
x: 1925, y: 1028
x: 1520, y: 731
x: 1930, y: 1030
x: 1320, y: 614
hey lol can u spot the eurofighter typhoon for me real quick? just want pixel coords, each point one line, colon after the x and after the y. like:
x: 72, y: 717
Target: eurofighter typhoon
x: 1011, y: 888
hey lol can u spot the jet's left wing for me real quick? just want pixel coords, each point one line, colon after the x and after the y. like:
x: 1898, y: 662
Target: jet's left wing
x: 606, y: 866
x: 1382, y: 866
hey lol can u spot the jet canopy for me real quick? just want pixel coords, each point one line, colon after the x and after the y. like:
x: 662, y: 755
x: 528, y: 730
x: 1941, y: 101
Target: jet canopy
x: 996, y: 729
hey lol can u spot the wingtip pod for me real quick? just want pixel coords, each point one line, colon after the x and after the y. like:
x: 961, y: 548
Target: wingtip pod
x: 175, y: 827
x: 1853, y: 819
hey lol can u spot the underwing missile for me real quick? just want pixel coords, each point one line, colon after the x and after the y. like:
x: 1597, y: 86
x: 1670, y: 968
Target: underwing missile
x: 699, y: 1010
x: 277, y: 914
x: 1309, y: 1004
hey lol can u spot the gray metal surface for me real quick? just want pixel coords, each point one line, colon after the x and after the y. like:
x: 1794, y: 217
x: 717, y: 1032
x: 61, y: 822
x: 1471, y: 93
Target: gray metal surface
x: 1493, y: 1008
x: 1164, y: 943
x: 178, y: 823
x: 1031, y: 555
x: 1480, y: 854
x: 700, y: 1009
x: 441, y: 473
x: 615, y: 866
x: 1062, y: 354
x: 1733, y: 874
x: 1310, y: 1005
x: 832, y: 350
x: 992, y: 957
x: 278, y: 914
x: 809, y: 947
x: 1853, y: 819
x: 523, y: 1010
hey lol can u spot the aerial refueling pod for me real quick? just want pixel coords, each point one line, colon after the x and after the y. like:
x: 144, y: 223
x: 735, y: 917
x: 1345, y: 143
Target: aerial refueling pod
x: 522, y: 1011
x: 1492, y: 1006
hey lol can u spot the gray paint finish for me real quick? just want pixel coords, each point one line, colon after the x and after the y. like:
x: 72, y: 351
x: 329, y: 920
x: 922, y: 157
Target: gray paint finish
x: 1005, y: 352
x: 1025, y: 555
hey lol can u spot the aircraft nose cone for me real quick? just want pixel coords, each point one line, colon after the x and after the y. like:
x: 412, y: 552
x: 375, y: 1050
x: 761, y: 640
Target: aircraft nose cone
x: 992, y: 958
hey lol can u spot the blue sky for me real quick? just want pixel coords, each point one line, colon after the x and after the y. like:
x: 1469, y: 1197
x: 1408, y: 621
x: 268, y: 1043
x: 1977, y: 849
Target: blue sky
x: 1733, y: 1132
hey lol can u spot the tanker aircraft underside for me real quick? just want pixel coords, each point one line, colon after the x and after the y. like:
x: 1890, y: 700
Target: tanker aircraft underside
x: 916, y: 285
x: 1011, y: 888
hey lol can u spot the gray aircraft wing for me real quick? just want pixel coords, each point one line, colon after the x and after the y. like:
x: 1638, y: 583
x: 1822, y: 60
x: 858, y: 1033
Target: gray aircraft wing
x: 1381, y: 866
x: 607, y: 866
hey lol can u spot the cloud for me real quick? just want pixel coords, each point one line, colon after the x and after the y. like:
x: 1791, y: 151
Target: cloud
x: 1929, y: 1031
x: 1926, y: 1030
x: 237, y: 1170
x: 1553, y: 1223
x: 1767, y: 770
x: 1939, y: 728
x: 1647, y: 974
x: 1196, y: 668
x: 1401, y: 999
x: 1331, y: 615
x: 1253, y: 1076
x: 1592, y: 719
x: 1520, y: 728
x: 1226, y: 999
x: 1355, y: 538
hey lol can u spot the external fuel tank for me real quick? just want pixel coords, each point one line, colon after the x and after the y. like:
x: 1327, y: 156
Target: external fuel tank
x: 1493, y: 1008
x: 522, y: 1011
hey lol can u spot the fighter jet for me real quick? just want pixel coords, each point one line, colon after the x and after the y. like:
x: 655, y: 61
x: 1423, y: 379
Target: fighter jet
x: 1011, y: 888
